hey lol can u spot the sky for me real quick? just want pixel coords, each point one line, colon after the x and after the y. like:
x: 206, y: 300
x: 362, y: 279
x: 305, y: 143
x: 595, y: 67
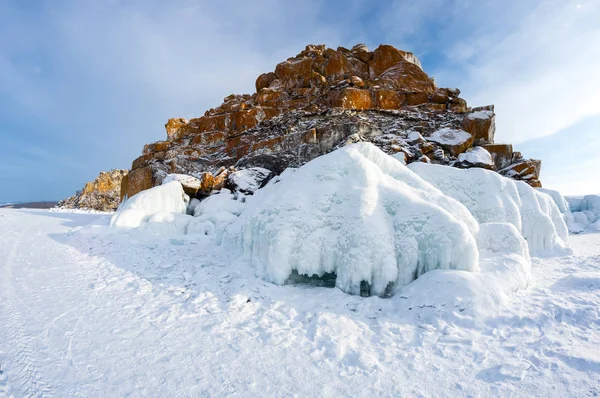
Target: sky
x: 84, y: 84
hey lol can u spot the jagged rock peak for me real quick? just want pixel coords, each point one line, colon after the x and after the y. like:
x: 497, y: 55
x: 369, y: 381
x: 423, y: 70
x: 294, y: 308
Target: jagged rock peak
x: 315, y: 102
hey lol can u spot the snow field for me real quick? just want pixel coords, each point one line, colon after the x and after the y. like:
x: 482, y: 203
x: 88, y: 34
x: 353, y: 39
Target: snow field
x: 92, y: 310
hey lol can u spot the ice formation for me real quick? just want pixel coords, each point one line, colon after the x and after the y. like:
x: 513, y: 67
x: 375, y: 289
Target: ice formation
x: 215, y: 213
x: 505, y: 268
x: 559, y: 200
x: 140, y: 207
x: 493, y: 198
x: 361, y: 214
x: 585, y: 213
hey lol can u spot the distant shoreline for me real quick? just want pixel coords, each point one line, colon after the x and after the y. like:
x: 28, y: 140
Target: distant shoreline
x: 29, y: 205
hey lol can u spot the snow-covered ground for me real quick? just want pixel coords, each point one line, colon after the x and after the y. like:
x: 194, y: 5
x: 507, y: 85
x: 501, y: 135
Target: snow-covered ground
x: 90, y: 310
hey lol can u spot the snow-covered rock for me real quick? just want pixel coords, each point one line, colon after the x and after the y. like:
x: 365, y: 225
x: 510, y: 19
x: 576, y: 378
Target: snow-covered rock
x: 493, y: 198
x: 222, y: 201
x: 249, y: 180
x: 453, y: 140
x: 476, y: 157
x: 169, y: 197
x: 360, y: 214
x: 213, y: 214
x: 190, y: 184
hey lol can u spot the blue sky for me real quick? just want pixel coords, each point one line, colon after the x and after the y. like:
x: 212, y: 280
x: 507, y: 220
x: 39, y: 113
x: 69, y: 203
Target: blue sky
x: 85, y: 84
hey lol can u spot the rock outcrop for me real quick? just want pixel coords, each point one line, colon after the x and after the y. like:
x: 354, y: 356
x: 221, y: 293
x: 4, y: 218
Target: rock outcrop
x: 102, y: 194
x: 317, y: 101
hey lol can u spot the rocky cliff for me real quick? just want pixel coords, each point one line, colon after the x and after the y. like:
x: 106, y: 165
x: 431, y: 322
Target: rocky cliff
x: 102, y: 194
x: 322, y: 99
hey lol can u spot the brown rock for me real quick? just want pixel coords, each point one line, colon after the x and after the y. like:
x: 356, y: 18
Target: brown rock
x: 526, y: 169
x: 440, y: 96
x: 264, y: 80
x: 458, y: 105
x: 386, y: 56
x: 481, y: 124
x: 173, y: 126
x: 389, y: 99
x: 406, y: 76
x: 207, y: 181
x: 352, y: 98
x: 137, y: 181
x: 452, y: 140
x: 501, y: 154
x: 357, y: 81
x: 417, y: 98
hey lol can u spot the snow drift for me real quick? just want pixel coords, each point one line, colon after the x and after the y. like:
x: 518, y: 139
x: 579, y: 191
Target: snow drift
x: 493, y: 198
x: 168, y: 198
x: 360, y: 214
x: 584, y: 213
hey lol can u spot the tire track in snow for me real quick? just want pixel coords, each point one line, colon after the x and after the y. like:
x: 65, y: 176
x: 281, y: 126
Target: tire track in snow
x: 18, y: 343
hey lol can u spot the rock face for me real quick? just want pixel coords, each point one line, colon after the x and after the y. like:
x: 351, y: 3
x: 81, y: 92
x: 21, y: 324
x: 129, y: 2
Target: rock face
x: 317, y: 101
x: 102, y: 194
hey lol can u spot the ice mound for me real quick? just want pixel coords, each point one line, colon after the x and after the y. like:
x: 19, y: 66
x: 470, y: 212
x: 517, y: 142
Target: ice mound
x: 505, y: 268
x: 213, y: 214
x: 360, y: 214
x: 165, y: 223
x: 491, y: 197
x: 559, y: 200
x: 139, y: 208
x: 586, y: 213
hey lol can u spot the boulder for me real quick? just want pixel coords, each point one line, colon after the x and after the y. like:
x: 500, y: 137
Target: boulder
x: 453, y: 140
x: 475, y: 157
x: 248, y: 181
x: 190, y: 184
x: 173, y: 126
x: 386, y: 56
x: 137, y: 181
x: 481, y: 125
x: 406, y: 76
x: 501, y: 154
x: 527, y: 170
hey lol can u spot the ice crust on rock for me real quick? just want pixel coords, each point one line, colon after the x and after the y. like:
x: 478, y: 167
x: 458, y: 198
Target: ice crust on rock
x: 140, y: 207
x: 477, y: 156
x: 491, y: 197
x: 247, y: 181
x: 361, y: 214
x: 449, y: 136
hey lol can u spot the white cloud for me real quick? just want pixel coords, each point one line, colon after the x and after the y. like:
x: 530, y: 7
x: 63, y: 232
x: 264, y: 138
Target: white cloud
x: 542, y: 76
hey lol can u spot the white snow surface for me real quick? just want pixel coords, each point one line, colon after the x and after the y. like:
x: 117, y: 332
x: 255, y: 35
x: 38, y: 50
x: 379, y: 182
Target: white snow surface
x: 184, y: 179
x: 140, y: 207
x: 91, y: 310
x: 491, y: 197
x: 477, y: 155
x: 360, y: 214
x: 449, y: 136
x: 480, y: 114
